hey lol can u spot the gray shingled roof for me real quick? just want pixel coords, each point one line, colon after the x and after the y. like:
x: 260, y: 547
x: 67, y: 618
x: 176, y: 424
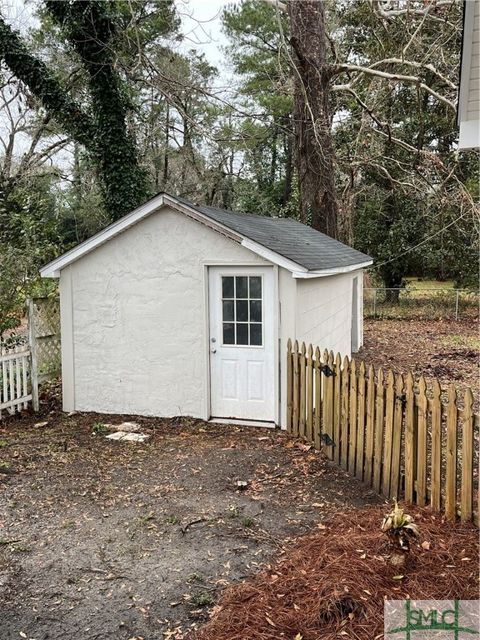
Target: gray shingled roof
x: 291, y: 239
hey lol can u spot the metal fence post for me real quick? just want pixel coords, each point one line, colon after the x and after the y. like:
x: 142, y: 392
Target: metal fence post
x: 33, y: 354
x: 456, y: 305
x: 374, y: 303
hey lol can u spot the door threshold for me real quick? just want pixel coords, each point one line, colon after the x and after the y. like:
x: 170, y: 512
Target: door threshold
x: 243, y: 423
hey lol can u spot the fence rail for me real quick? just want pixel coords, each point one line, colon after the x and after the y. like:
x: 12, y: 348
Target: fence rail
x: 408, y: 302
x: 390, y: 431
x: 15, y: 380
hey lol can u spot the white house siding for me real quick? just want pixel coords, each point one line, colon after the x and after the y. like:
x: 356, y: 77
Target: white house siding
x: 324, y: 311
x: 473, y: 104
x: 134, y: 318
x: 469, y: 93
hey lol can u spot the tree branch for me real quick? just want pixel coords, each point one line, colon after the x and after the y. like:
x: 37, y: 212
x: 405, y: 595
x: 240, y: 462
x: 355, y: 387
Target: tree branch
x: 344, y: 68
x: 42, y: 83
x: 416, y: 65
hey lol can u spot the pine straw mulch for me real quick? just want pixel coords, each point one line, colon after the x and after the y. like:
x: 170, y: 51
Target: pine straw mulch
x: 332, y: 584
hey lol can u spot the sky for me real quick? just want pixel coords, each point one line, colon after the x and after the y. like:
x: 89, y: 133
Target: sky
x: 201, y: 25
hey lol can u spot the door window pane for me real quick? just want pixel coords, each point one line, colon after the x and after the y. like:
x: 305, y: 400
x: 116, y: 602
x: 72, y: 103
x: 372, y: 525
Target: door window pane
x: 242, y: 333
x: 228, y: 310
x: 255, y: 310
x: 255, y: 334
x: 227, y: 287
x: 242, y: 310
x: 228, y: 333
x: 255, y: 287
x: 241, y: 287
x: 242, y: 314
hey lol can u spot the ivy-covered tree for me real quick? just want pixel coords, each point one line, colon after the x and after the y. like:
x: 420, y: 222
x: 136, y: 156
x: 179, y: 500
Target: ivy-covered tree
x: 89, y: 30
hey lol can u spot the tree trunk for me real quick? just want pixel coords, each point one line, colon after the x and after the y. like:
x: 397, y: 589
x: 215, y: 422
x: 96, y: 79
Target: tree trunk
x: 393, y: 281
x: 167, y: 147
x: 314, y: 154
x: 288, y: 151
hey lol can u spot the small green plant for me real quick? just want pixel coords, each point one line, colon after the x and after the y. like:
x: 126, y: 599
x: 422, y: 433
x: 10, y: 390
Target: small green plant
x: 3, y: 443
x: 233, y: 511
x: 5, y: 467
x: 173, y: 519
x: 99, y: 428
x: 144, y: 520
x: 248, y: 522
x: 399, y: 528
x: 202, y: 599
x: 196, y: 577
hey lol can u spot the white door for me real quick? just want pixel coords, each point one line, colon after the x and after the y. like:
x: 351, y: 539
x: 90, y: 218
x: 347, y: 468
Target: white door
x: 242, y: 376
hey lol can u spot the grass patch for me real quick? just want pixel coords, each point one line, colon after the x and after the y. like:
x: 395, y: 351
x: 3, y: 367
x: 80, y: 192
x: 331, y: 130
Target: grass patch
x: 466, y: 342
x: 419, y: 285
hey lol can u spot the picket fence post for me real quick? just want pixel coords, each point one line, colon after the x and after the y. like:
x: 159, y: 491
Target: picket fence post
x: 384, y: 428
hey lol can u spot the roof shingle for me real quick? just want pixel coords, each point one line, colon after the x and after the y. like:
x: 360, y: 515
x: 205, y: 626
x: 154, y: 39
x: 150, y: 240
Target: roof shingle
x: 291, y: 239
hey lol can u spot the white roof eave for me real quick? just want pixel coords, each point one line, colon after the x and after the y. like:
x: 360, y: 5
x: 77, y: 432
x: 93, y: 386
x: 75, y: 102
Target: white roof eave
x: 322, y: 273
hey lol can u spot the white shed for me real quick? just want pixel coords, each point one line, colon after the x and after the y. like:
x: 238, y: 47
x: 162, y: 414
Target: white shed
x: 179, y: 309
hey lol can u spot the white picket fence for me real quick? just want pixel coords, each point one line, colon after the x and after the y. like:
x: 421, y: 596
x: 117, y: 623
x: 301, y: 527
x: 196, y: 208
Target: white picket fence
x: 16, y: 388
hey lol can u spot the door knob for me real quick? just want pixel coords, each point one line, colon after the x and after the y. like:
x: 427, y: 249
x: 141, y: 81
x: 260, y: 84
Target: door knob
x: 213, y: 350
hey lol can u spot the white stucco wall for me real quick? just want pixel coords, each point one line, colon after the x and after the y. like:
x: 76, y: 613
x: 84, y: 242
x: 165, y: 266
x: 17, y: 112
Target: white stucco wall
x: 287, y: 286
x: 324, y: 312
x: 134, y: 318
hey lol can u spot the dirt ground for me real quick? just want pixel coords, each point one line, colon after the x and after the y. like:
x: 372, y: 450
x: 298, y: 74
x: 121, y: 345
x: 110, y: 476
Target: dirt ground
x: 445, y: 349
x: 106, y: 540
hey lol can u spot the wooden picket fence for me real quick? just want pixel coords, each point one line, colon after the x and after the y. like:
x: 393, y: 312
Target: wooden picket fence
x: 390, y: 431
x: 15, y: 380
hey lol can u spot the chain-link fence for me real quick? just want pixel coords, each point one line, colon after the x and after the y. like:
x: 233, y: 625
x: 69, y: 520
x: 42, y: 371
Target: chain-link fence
x: 453, y: 304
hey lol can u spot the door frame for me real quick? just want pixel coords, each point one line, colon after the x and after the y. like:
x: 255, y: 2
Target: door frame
x: 276, y: 332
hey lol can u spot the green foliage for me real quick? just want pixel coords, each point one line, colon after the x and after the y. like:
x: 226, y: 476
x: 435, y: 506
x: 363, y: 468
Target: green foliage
x: 265, y: 138
x: 387, y: 224
x: 99, y: 428
x: 399, y: 527
x: 29, y: 237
